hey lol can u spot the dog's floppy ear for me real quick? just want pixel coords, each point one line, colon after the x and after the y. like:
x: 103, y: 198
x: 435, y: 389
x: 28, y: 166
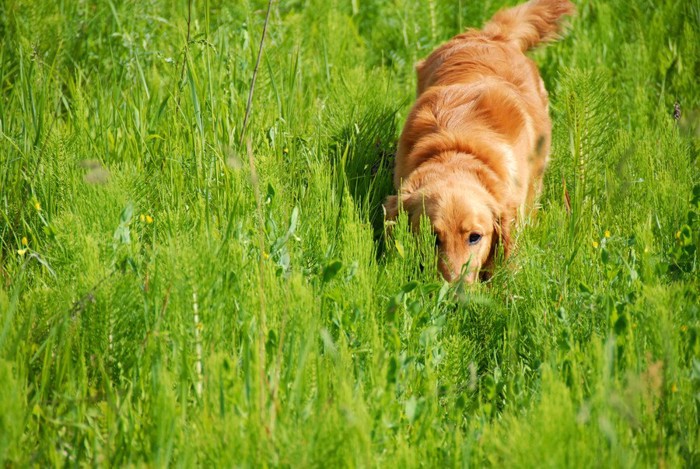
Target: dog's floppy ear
x: 391, y: 207
x: 392, y: 203
x: 502, y: 226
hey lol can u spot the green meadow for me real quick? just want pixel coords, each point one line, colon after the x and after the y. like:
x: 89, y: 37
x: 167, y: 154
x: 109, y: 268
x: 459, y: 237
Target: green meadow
x: 176, y: 290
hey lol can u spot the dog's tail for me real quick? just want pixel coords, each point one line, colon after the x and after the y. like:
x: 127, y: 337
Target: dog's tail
x: 529, y: 24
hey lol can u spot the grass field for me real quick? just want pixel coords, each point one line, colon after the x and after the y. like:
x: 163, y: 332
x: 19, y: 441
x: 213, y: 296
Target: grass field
x: 173, y: 295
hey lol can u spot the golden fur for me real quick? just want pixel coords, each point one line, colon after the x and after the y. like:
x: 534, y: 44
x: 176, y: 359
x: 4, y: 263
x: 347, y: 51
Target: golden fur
x: 476, y: 142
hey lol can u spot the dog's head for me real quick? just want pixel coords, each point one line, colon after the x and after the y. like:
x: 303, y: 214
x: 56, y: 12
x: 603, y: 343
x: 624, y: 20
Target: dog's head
x: 467, y: 222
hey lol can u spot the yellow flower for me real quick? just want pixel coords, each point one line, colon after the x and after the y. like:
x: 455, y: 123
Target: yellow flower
x: 142, y: 217
x: 25, y: 242
x: 595, y: 244
x: 684, y: 328
x: 22, y: 252
x: 674, y: 388
x: 37, y: 206
x: 607, y: 233
x: 149, y: 219
x: 265, y: 255
x: 285, y: 151
x: 678, y: 234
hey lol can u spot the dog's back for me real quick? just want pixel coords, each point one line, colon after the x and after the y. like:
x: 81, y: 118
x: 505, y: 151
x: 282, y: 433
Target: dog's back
x: 492, y: 48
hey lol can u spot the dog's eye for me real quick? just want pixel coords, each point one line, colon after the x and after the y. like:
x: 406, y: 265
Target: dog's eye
x: 474, y: 238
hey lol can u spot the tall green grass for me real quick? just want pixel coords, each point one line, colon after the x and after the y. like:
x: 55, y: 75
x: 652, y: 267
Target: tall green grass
x: 153, y: 313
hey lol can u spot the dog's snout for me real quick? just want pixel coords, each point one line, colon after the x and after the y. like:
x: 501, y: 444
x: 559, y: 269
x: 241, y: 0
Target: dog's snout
x: 452, y: 273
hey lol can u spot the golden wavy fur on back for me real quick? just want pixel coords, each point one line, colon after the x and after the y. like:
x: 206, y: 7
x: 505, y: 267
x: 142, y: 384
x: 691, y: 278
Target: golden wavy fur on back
x: 475, y: 145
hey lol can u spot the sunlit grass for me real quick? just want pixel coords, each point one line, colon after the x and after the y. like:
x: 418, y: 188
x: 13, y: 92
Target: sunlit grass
x: 152, y: 312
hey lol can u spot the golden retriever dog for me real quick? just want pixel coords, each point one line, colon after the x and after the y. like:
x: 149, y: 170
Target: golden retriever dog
x: 476, y: 142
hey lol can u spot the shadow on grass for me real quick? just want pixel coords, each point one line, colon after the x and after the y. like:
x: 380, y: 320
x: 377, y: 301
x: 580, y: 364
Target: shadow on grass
x: 363, y: 159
